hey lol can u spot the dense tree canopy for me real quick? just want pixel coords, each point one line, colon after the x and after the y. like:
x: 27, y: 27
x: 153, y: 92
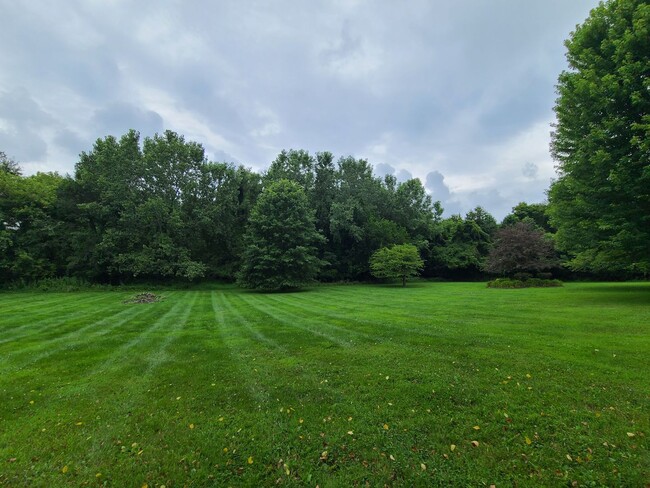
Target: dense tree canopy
x: 520, y: 247
x: 281, y: 240
x: 399, y: 261
x: 600, y: 202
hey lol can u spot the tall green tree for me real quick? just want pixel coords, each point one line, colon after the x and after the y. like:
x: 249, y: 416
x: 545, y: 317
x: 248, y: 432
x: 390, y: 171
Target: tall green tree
x: 535, y: 213
x: 600, y: 201
x: 281, y: 240
x: 30, y: 237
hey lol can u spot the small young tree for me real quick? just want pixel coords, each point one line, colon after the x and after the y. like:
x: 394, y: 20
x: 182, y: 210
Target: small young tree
x: 281, y: 240
x: 520, y: 248
x: 399, y: 261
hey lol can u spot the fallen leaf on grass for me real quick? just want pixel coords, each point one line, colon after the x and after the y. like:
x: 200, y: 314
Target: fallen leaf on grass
x: 64, y: 469
x: 452, y: 447
x: 12, y: 460
x: 392, y: 458
x: 191, y: 426
x: 568, y: 456
x: 250, y: 460
x: 475, y: 443
x: 423, y: 467
x: 476, y: 427
x: 386, y: 427
x: 630, y: 434
x: 350, y: 432
x: 528, y: 441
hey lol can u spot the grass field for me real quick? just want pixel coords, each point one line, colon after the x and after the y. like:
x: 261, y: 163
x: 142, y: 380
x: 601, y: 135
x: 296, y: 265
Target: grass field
x: 437, y: 384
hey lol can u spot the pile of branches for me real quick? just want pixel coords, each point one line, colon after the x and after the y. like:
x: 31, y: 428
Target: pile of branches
x: 144, y: 298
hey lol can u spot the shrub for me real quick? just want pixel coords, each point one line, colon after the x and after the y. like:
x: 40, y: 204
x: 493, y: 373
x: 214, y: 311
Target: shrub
x: 529, y: 283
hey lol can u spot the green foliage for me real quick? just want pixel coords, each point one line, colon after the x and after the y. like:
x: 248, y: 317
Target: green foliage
x: 29, y: 231
x: 600, y: 202
x: 281, y: 240
x: 534, y: 213
x: 399, y: 261
x: 527, y: 283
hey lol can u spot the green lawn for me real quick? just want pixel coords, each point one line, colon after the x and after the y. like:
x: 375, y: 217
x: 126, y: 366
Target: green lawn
x: 337, y: 386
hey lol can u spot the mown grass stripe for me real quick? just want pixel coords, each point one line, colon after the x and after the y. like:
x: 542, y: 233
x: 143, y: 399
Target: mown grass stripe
x: 243, y: 322
x: 257, y: 392
x: 138, y: 340
x: 288, y: 320
x: 35, y: 327
x: 76, y: 337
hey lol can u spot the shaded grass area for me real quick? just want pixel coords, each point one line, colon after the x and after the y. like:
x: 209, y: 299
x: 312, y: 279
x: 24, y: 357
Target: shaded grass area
x: 338, y: 386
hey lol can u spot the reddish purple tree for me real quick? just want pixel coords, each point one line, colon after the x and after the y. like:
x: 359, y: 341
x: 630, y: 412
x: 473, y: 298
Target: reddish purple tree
x: 520, y: 248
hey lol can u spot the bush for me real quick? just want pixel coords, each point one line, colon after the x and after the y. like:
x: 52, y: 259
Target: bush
x: 62, y: 284
x: 529, y: 283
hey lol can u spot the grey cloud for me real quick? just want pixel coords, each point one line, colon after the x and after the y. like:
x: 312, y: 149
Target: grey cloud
x: 24, y: 145
x: 223, y: 157
x: 435, y: 183
x: 117, y: 118
x: 382, y: 169
x: 19, y: 108
x: 403, y: 175
x: 71, y: 142
x: 23, y: 119
x: 447, y: 79
x: 530, y: 170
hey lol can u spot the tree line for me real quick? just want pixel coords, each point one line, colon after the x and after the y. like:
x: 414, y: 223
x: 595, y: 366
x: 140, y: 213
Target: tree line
x: 158, y: 209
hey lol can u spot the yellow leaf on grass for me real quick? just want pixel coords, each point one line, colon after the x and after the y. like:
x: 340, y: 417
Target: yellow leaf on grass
x: 476, y: 427
x: 568, y: 456
x: 528, y: 441
x: 392, y: 458
x: 191, y: 426
x: 630, y: 434
x: 350, y: 432
x: 64, y: 469
x: 423, y: 467
x: 220, y: 419
x: 528, y: 375
x: 452, y: 447
x: 475, y: 443
x: 301, y: 421
x: 145, y: 485
x: 386, y: 427
x: 250, y: 460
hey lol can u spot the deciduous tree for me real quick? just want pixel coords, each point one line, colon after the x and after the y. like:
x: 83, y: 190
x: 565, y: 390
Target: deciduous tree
x: 281, y: 240
x: 600, y: 202
x: 400, y: 261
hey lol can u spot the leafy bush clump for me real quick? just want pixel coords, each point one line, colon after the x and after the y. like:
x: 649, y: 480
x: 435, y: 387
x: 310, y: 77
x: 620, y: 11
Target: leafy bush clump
x: 528, y: 283
x: 62, y: 284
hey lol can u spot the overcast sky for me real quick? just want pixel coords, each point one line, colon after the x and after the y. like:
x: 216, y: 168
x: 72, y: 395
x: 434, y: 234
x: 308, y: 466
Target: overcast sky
x: 459, y: 93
